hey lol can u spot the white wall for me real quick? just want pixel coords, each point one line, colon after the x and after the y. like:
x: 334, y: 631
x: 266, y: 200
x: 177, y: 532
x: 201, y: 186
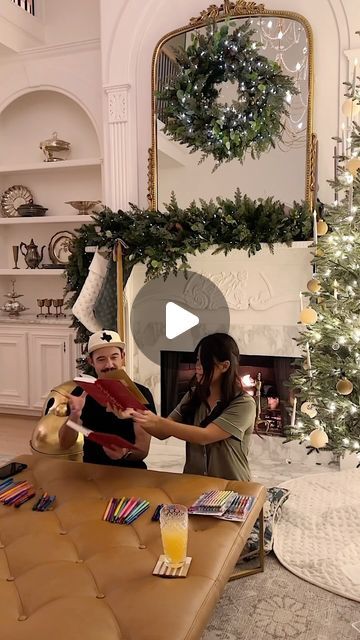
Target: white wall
x: 70, y: 20
x: 130, y: 32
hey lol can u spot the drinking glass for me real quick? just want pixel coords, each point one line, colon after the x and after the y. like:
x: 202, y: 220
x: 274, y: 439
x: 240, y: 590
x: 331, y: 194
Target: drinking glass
x: 48, y: 303
x: 15, y: 250
x: 174, y: 534
x: 40, y: 303
x: 58, y: 304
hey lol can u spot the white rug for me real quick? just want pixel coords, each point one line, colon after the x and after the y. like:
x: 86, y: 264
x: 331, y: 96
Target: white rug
x: 318, y: 535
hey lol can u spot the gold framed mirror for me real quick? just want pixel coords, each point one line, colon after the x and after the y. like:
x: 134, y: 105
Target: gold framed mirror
x: 286, y: 172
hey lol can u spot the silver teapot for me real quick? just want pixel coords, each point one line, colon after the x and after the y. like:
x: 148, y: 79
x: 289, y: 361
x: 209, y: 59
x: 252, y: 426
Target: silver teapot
x: 31, y: 254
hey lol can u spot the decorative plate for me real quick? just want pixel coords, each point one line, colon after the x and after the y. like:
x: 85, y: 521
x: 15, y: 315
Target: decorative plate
x: 12, y: 198
x: 60, y: 247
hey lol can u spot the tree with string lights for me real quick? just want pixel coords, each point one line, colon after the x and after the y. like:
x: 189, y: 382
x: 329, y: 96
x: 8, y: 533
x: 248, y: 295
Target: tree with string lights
x: 326, y: 411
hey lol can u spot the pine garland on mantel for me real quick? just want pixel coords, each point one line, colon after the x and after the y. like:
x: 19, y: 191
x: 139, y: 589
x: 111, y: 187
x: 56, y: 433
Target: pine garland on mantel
x: 164, y: 240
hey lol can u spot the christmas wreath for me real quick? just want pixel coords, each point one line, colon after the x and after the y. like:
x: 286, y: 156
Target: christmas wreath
x: 194, y: 115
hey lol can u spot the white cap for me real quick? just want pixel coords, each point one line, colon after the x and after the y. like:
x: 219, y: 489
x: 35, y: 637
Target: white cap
x: 104, y: 338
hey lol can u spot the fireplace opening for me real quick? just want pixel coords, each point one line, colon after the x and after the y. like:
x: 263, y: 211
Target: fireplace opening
x: 178, y: 369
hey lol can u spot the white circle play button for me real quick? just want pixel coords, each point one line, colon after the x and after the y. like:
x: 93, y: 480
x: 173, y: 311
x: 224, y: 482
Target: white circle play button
x: 178, y: 320
x: 173, y: 315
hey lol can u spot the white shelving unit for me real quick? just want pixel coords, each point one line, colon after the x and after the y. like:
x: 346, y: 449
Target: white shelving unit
x: 47, y: 353
x: 51, y: 166
x: 76, y: 220
x: 37, y: 273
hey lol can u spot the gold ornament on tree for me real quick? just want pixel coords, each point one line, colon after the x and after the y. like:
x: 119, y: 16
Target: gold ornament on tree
x: 318, y: 438
x: 308, y: 316
x: 353, y: 166
x: 322, y: 227
x: 313, y: 285
x: 350, y: 108
x: 308, y: 409
x: 344, y: 386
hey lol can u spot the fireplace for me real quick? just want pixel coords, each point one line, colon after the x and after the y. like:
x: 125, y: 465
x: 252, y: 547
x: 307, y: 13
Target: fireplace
x: 178, y: 368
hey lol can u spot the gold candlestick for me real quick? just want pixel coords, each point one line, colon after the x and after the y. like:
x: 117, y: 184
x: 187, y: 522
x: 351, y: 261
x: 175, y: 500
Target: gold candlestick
x: 258, y: 385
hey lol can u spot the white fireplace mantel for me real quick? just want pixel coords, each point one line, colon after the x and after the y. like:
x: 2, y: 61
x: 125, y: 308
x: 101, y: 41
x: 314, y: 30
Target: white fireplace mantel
x: 262, y: 293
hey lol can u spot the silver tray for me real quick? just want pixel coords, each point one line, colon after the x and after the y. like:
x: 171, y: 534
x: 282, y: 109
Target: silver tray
x: 12, y: 198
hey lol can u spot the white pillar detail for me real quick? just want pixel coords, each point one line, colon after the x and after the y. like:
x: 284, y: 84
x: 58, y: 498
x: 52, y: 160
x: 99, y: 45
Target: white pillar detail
x: 117, y: 146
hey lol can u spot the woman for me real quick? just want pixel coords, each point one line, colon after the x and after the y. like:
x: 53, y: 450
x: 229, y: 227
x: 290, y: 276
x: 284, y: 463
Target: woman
x: 215, y: 418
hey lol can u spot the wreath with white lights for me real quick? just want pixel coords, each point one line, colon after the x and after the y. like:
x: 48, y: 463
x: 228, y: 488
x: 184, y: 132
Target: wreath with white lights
x: 193, y: 113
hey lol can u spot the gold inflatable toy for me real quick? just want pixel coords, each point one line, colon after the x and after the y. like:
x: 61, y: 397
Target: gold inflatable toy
x: 45, y: 437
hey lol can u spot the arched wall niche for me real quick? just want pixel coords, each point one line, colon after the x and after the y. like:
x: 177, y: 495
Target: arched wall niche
x: 133, y: 32
x: 32, y: 115
x: 72, y: 70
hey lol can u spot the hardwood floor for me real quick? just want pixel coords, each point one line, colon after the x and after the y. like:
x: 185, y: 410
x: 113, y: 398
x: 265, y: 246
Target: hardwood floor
x: 15, y: 434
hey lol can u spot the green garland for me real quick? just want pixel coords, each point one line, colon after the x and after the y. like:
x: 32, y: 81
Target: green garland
x: 195, y: 117
x: 164, y: 240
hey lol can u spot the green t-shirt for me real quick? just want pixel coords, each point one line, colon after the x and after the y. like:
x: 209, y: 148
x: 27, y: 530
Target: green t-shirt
x: 226, y: 458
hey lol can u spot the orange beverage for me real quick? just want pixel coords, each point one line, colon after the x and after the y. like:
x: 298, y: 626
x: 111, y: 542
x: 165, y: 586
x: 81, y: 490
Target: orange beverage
x: 174, y: 533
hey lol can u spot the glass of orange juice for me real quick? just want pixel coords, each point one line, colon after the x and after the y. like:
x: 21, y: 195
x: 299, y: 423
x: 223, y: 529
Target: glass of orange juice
x: 174, y: 533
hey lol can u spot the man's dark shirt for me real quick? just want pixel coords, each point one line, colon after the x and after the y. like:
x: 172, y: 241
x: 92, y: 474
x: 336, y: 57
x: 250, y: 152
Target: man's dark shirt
x: 95, y: 417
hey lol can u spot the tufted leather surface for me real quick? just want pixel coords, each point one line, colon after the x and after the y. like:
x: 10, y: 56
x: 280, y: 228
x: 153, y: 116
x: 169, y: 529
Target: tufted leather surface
x: 68, y: 575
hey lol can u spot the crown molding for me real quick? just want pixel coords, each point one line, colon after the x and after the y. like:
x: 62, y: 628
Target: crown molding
x: 57, y: 50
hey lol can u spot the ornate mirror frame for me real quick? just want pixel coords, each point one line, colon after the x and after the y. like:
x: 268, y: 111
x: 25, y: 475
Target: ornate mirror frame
x: 237, y: 9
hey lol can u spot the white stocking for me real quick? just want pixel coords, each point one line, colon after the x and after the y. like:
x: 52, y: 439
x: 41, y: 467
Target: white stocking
x: 83, y: 308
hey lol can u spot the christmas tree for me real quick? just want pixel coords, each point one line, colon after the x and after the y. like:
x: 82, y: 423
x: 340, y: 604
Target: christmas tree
x: 326, y: 409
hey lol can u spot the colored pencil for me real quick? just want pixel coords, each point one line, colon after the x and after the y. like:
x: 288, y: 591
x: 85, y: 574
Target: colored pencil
x: 130, y: 505
x: 18, y: 503
x: 137, y: 512
x: 138, y: 507
x: 107, y: 509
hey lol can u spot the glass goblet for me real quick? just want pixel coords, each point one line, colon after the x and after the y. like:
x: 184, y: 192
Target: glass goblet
x: 58, y: 303
x: 40, y: 303
x: 15, y: 250
x: 48, y: 302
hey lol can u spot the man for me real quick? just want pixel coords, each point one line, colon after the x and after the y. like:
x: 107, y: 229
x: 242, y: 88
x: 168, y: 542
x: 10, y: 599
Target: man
x: 106, y: 353
x: 270, y: 417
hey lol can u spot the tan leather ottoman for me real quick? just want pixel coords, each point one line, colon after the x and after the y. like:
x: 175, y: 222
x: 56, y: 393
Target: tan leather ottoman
x: 68, y: 575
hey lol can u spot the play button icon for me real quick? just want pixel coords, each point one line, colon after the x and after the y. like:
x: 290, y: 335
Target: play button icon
x: 178, y: 320
x: 173, y: 315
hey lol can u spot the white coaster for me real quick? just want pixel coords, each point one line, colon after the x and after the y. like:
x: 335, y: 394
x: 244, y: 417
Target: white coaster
x: 164, y: 571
